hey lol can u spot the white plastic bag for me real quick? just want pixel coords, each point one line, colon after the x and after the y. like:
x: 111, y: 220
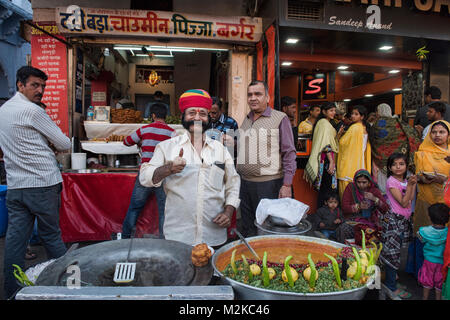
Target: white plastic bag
x: 288, y: 209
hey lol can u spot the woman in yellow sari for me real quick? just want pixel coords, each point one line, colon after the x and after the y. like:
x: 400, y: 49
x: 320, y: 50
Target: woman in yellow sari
x: 354, y: 149
x: 432, y: 171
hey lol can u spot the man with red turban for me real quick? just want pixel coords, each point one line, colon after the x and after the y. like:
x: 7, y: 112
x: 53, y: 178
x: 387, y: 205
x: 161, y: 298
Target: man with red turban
x: 200, y: 180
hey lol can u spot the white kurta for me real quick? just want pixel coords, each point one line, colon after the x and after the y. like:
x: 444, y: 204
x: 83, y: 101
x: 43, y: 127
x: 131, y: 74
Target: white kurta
x: 196, y: 195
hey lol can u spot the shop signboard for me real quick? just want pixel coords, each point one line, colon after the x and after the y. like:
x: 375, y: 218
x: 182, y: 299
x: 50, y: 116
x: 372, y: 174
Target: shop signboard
x: 50, y: 55
x: 121, y: 22
x: 414, y: 18
x: 314, y: 86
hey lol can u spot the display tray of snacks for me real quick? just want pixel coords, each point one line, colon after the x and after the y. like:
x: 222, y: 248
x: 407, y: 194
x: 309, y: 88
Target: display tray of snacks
x: 108, y: 147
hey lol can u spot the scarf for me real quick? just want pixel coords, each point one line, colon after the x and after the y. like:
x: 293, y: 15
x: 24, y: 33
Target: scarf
x: 358, y: 194
x: 430, y: 158
x: 389, y: 135
x: 324, y: 136
x: 351, y: 156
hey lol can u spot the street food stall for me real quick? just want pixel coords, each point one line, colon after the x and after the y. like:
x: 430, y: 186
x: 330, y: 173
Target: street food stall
x: 98, y: 59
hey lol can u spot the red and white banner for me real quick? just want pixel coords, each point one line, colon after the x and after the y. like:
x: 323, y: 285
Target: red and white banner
x: 50, y: 55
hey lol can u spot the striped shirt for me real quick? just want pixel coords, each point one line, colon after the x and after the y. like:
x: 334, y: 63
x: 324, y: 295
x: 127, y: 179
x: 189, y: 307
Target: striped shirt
x: 148, y: 137
x: 26, y: 131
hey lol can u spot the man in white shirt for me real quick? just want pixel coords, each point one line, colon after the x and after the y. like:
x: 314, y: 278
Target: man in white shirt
x: 200, y: 180
x: 28, y: 138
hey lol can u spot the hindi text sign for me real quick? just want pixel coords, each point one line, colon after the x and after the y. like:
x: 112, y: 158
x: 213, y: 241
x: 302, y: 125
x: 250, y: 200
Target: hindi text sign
x: 92, y: 21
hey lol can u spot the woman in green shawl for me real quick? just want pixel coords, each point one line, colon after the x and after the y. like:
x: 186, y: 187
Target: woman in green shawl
x: 320, y: 170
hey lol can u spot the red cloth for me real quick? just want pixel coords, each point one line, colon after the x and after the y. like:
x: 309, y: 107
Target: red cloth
x: 270, y: 36
x: 447, y: 245
x: 93, y: 206
x: 446, y: 257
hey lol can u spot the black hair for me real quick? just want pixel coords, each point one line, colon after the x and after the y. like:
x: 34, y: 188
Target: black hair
x: 311, y: 108
x: 159, y: 110
x: 216, y: 101
x: 439, y: 213
x: 256, y: 82
x: 441, y: 123
x: 325, y: 106
x: 331, y: 195
x: 287, y: 101
x: 25, y: 72
x: 439, y: 107
x: 391, y: 160
x: 158, y: 94
x: 435, y: 92
x: 362, y: 111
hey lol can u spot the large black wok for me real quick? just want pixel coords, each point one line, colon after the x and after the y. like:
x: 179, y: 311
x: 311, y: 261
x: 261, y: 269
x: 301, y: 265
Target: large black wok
x: 158, y: 263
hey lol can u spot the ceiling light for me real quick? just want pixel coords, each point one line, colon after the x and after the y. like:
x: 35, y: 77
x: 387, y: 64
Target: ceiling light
x: 394, y: 71
x: 154, y: 48
x: 368, y: 95
x: 347, y: 100
x: 187, y: 48
x: 286, y: 63
x: 385, y: 48
x: 397, y: 89
x: 156, y: 55
x: 170, y: 49
x: 342, y: 67
x: 292, y: 40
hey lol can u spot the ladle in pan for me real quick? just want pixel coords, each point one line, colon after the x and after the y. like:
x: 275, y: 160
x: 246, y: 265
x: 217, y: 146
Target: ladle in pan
x: 245, y: 242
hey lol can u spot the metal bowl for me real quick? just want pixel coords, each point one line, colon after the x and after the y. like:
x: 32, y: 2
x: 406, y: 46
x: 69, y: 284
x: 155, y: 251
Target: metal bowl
x: 278, y: 221
x: 247, y: 292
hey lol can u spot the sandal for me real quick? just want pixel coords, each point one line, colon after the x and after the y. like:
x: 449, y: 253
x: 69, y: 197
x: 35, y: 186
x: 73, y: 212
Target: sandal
x: 30, y: 255
x: 403, y: 294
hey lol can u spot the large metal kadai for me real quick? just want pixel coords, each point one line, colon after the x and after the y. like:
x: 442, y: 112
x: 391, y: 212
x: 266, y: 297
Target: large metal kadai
x: 158, y: 263
x: 247, y: 292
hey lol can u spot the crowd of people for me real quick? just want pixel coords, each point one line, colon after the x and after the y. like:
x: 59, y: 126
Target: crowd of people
x: 386, y: 178
x: 375, y: 174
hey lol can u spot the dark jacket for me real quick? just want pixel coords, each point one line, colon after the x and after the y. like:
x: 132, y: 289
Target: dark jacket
x: 325, y: 215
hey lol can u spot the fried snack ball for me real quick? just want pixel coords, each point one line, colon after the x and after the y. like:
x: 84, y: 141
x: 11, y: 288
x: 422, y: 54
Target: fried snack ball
x: 200, y: 255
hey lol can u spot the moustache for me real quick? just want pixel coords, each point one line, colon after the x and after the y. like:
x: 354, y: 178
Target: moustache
x: 188, y: 124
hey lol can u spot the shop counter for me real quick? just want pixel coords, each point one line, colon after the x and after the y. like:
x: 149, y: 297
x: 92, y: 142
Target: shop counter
x: 94, y: 205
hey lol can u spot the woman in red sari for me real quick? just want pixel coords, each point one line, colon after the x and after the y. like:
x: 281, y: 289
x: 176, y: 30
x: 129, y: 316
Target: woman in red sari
x: 362, y: 205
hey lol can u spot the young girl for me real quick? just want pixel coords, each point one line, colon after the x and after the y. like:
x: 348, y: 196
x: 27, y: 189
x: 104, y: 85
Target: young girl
x: 433, y: 237
x: 396, y: 223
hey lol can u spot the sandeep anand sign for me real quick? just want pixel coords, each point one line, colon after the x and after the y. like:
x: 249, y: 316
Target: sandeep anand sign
x: 92, y: 21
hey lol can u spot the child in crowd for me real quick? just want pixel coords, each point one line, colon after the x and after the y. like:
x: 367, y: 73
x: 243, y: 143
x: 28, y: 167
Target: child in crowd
x: 329, y: 216
x: 396, y: 223
x: 433, y: 237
